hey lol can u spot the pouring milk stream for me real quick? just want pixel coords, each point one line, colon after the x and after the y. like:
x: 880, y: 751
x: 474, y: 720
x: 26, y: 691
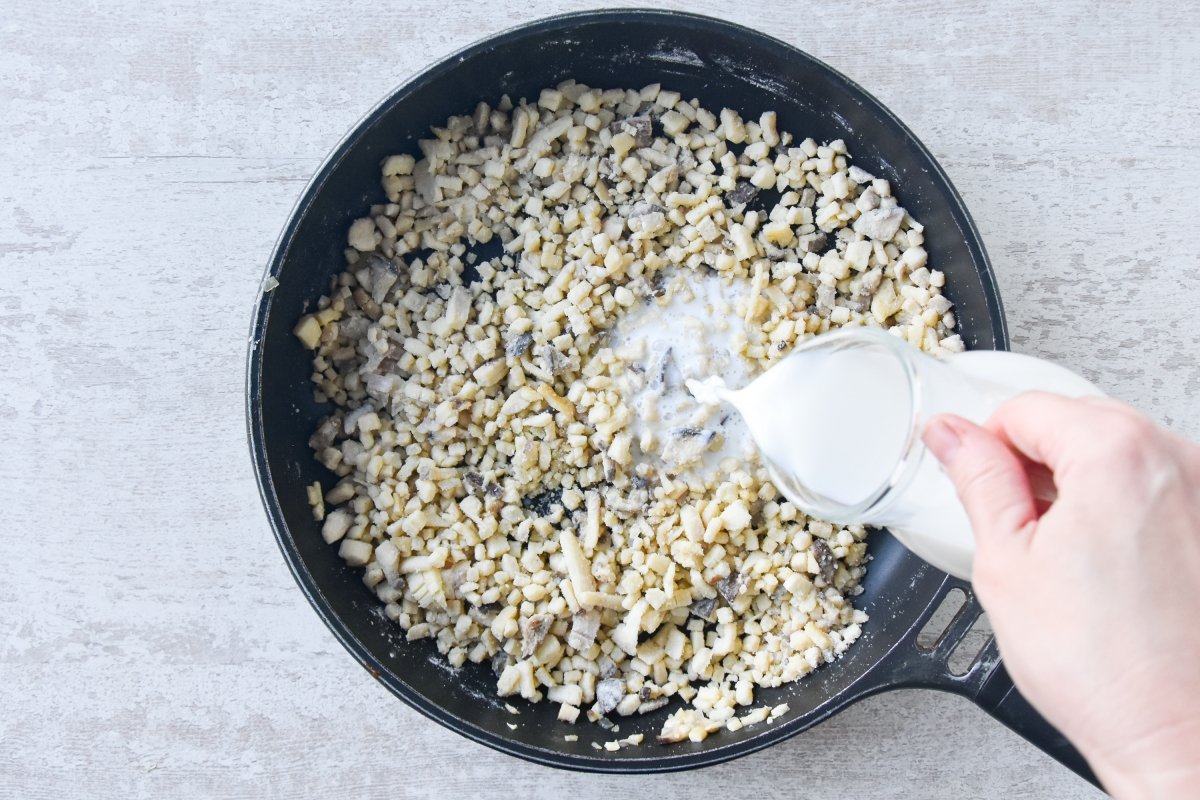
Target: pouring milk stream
x: 839, y: 425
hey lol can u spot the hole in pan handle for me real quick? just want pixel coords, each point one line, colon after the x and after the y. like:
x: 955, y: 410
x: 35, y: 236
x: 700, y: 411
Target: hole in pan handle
x: 986, y: 682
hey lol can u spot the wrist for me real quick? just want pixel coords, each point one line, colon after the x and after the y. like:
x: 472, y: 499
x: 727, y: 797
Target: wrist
x: 1166, y: 774
x: 1148, y: 786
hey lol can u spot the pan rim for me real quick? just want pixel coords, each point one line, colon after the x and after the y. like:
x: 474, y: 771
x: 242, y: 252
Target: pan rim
x: 622, y: 764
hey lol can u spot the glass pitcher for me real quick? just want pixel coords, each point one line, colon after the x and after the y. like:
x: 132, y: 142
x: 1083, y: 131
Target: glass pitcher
x: 905, y: 490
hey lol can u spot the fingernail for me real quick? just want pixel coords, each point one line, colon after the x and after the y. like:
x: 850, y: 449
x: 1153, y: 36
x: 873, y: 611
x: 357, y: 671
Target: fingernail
x: 942, y: 438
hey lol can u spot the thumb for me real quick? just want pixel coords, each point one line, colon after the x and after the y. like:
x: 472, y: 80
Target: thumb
x: 989, y: 477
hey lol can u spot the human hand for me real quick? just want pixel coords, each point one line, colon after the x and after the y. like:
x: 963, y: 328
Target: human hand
x: 1087, y: 528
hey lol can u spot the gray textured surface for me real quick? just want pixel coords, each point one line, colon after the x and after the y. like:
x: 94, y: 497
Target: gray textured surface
x: 152, y: 643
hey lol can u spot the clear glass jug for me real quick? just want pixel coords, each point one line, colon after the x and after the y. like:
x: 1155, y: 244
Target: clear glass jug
x: 895, y: 482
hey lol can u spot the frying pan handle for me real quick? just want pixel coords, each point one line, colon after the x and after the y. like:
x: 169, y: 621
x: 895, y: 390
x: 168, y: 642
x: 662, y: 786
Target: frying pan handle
x: 985, y: 682
x: 1000, y: 698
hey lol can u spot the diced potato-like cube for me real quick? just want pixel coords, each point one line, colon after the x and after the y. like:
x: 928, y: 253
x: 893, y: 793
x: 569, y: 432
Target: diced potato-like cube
x: 362, y: 235
x: 622, y: 143
x: 886, y: 302
x: 354, y: 552
x: 736, y: 517
x: 858, y: 254
x: 779, y: 234
x: 308, y: 331
x: 743, y: 244
x: 550, y: 99
x: 398, y: 165
x: 834, y: 265
x: 491, y: 373
x: 674, y: 123
x: 336, y: 524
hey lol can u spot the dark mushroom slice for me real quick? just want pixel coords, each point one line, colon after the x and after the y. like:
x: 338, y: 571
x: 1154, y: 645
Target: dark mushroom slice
x: 813, y: 243
x: 607, y: 667
x: 743, y: 192
x: 554, y: 361
x: 610, y: 468
x: 642, y: 209
x: 703, y: 608
x: 485, y: 615
x: 826, y: 300
x: 826, y: 560
x: 352, y: 329
x: 731, y: 586
x: 518, y: 345
x: 326, y: 433
x: 384, y: 274
x: 640, y: 128
x: 585, y: 624
x: 609, y: 694
x: 533, y: 631
x: 659, y: 371
x: 454, y: 578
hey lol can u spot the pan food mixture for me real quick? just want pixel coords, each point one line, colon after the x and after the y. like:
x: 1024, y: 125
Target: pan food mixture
x: 523, y: 477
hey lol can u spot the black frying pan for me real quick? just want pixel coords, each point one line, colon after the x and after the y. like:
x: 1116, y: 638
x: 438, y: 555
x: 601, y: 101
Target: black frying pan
x: 723, y: 65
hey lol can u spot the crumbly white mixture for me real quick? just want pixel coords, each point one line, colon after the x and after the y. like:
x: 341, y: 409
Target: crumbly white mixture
x: 492, y: 485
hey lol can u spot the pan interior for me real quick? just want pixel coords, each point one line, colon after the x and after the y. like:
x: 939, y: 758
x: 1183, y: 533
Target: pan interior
x: 722, y: 65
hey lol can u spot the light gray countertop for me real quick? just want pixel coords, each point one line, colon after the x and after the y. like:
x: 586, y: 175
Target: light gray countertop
x: 152, y: 643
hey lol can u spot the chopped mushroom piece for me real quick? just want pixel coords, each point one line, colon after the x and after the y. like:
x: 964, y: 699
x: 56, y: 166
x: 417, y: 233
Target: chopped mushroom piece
x: 826, y: 561
x: 659, y: 372
x: 555, y: 362
x: 704, y: 608
x: 687, y: 446
x: 880, y: 224
x: 640, y: 128
x: 518, y: 345
x: 731, y: 587
x: 609, y: 693
x: 742, y: 193
x: 533, y: 631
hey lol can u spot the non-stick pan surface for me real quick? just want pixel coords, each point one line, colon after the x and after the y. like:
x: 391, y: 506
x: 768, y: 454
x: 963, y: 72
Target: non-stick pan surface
x: 723, y: 65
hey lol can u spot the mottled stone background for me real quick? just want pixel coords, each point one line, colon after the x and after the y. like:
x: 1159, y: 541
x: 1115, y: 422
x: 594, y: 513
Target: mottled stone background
x: 152, y: 643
